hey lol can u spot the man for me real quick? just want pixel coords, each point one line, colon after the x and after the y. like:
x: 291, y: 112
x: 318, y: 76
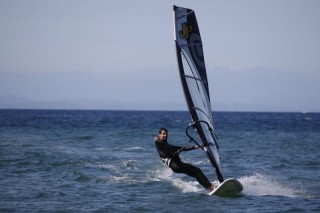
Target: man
x: 169, y: 154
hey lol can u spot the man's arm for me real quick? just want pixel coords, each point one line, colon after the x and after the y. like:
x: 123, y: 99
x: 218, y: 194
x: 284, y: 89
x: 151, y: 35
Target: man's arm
x: 189, y: 148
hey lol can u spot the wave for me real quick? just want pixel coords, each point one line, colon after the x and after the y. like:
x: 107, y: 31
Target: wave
x: 85, y: 137
x: 135, y: 148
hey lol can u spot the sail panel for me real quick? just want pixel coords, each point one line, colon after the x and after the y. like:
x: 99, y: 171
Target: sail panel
x: 194, y: 80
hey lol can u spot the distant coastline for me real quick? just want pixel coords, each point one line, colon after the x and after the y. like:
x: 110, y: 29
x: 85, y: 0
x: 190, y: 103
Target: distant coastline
x: 21, y: 103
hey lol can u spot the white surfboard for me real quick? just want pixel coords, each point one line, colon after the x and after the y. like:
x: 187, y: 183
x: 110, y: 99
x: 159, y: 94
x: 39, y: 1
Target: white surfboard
x: 229, y: 187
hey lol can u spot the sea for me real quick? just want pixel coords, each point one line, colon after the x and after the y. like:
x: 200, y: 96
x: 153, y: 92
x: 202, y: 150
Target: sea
x: 106, y: 161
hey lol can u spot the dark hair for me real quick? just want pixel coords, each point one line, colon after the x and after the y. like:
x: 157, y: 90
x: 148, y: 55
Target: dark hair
x: 163, y: 129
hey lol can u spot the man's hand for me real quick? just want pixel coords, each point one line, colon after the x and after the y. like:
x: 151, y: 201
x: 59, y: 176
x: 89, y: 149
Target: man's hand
x: 198, y: 146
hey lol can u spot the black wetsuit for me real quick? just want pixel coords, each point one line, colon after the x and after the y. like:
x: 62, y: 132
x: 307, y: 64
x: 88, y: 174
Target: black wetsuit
x: 168, y: 154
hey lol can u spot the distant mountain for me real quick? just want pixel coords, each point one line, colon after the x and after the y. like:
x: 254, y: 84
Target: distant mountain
x: 15, y: 102
x: 256, y: 89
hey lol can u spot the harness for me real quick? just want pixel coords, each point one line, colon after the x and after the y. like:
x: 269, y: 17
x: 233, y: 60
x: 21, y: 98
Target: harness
x: 167, y: 161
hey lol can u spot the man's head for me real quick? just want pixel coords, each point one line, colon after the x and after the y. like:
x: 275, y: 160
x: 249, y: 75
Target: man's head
x: 163, y: 134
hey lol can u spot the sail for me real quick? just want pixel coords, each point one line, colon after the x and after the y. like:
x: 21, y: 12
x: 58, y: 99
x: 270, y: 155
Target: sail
x: 194, y: 81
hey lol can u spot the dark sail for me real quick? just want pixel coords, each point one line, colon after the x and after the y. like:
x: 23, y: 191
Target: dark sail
x: 194, y: 81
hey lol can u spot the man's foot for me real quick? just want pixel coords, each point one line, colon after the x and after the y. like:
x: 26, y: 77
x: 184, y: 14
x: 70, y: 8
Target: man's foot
x: 212, y: 187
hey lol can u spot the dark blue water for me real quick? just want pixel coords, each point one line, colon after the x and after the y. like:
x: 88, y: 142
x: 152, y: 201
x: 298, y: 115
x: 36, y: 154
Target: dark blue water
x: 106, y: 161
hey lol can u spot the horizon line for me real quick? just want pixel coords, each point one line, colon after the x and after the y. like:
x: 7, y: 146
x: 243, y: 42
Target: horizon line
x: 156, y: 110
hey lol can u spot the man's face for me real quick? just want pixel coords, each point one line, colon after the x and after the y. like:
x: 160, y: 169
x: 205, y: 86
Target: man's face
x: 163, y: 135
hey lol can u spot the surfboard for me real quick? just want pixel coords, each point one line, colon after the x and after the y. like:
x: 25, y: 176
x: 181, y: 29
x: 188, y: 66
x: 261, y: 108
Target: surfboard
x: 229, y: 187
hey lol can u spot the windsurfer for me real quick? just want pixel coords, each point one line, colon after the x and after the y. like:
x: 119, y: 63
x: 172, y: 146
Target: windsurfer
x: 169, y: 154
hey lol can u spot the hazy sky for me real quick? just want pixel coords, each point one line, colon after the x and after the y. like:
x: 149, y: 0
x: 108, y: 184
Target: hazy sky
x: 263, y: 54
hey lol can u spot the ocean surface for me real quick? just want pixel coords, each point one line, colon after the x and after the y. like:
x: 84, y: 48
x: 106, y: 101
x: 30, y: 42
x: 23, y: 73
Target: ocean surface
x: 106, y: 161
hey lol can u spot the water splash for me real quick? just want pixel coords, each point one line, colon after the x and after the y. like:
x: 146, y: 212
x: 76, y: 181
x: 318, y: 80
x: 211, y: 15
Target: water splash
x: 257, y: 184
x: 260, y: 185
x: 177, y: 181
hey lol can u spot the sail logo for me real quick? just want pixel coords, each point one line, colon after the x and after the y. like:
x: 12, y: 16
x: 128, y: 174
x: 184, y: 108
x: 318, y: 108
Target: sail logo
x: 185, y: 32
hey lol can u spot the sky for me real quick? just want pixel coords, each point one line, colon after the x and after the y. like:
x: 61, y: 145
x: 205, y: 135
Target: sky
x: 76, y: 54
